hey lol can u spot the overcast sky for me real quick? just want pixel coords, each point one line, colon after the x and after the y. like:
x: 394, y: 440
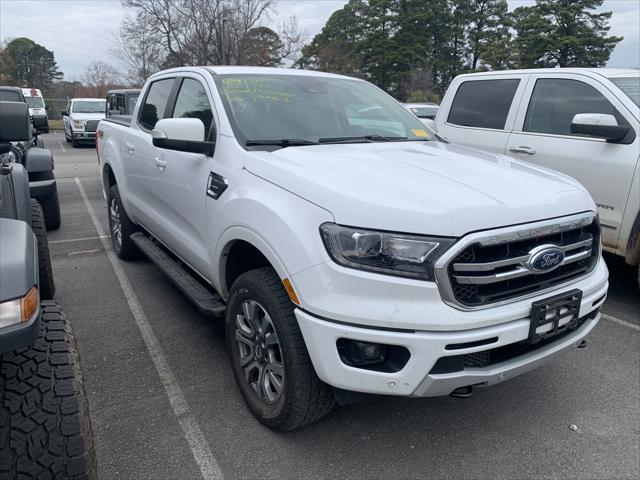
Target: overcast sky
x: 81, y: 31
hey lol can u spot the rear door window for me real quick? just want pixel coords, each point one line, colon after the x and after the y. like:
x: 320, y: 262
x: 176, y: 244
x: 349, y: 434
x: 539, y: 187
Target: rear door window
x: 155, y: 103
x: 483, y: 103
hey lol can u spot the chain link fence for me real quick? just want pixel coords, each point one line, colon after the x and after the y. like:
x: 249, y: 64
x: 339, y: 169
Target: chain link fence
x: 56, y: 105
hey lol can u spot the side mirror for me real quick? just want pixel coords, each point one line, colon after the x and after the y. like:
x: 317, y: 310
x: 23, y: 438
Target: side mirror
x: 64, y: 113
x: 15, y: 122
x: 599, y: 125
x: 183, y: 135
x: 46, y: 107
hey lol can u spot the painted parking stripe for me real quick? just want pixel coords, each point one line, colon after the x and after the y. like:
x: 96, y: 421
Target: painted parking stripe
x: 621, y: 322
x: 192, y: 432
x: 61, y: 147
x: 81, y: 239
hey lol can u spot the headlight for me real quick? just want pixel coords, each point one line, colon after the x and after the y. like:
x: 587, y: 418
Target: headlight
x: 384, y: 252
x: 78, y: 124
x: 20, y: 309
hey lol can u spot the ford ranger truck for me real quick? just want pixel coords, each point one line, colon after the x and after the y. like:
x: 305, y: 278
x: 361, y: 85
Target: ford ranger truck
x: 349, y: 249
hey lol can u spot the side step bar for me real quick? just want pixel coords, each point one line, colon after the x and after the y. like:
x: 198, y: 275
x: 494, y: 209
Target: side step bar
x: 208, y: 302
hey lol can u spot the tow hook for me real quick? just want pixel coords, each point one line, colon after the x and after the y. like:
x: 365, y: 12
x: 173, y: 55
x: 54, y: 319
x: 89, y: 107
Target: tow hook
x: 582, y: 344
x: 462, y: 392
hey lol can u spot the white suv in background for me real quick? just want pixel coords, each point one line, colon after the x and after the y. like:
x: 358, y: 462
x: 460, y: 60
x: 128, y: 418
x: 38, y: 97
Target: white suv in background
x: 81, y: 118
x: 582, y: 122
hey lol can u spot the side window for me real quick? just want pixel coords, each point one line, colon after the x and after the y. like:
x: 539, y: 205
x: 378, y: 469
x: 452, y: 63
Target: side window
x: 555, y: 101
x: 155, y: 103
x: 483, y: 103
x: 192, y: 102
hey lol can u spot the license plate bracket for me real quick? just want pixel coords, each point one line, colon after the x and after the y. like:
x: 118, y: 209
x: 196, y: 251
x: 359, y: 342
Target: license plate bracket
x: 555, y: 315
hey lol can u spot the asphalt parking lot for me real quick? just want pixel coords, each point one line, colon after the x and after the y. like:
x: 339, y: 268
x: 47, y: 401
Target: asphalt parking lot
x: 164, y: 404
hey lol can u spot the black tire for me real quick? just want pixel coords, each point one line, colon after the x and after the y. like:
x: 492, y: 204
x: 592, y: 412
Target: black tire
x: 304, y: 398
x: 45, y: 272
x: 74, y: 143
x: 45, y: 429
x: 51, y: 208
x: 66, y: 137
x: 40, y: 143
x: 124, y: 248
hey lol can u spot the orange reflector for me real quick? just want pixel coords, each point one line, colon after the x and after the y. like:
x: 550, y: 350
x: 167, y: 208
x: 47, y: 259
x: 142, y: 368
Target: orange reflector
x: 29, y: 304
x: 290, y: 291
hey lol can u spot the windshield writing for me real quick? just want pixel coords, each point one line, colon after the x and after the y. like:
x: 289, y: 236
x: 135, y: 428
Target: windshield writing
x: 308, y: 109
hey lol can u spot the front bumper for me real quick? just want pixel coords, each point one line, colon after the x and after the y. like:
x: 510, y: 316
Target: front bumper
x: 83, y: 136
x: 508, y: 324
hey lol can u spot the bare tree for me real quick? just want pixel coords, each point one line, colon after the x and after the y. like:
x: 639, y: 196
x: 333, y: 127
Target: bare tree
x: 137, y: 47
x: 192, y: 32
x: 99, y: 77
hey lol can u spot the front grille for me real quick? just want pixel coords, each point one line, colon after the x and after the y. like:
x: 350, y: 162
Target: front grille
x: 91, y: 125
x: 490, y: 272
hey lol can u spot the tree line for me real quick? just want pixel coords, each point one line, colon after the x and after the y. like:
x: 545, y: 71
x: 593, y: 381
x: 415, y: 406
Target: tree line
x: 410, y: 48
x: 414, y: 48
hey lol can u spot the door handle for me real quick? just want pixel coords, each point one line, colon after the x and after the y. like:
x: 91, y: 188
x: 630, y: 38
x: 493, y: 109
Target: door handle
x: 130, y: 147
x: 523, y: 149
x: 160, y: 163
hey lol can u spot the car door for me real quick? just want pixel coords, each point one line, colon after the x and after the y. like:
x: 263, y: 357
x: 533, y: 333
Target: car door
x: 182, y: 178
x: 481, y: 112
x: 139, y: 156
x: 542, y: 135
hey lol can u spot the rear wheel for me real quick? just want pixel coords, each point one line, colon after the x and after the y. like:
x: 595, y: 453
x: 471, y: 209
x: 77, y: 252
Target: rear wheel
x: 45, y: 430
x: 45, y: 272
x: 120, y: 226
x: 51, y: 209
x: 268, y: 355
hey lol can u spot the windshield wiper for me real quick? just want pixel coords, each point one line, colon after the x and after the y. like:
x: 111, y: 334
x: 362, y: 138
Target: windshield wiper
x: 283, y: 142
x: 368, y: 139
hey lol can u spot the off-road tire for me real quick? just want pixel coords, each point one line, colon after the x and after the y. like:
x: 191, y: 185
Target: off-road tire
x: 127, y: 250
x: 305, y: 398
x: 51, y: 208
x: 45, y: 430
x: 45, y: 272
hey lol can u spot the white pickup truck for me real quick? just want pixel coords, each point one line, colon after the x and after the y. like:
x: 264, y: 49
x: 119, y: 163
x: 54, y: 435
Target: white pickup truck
x: 581, y: 122
x: 350, y: 251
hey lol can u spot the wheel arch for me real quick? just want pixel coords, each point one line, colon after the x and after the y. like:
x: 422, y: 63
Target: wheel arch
x: 239, y: 250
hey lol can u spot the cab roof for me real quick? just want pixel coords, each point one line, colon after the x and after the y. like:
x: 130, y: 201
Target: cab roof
x: 242, y: 70
x: 604, y: 72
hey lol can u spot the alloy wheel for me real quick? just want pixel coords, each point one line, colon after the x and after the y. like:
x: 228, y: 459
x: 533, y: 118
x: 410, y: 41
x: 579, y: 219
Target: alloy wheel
x: 115, y: 224
x: 259, y: 352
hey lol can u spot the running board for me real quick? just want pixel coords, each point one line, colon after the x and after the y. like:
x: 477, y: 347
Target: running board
x: 208, y: 302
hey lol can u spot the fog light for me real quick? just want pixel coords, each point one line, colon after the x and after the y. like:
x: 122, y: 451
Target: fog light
x: 358, y: 354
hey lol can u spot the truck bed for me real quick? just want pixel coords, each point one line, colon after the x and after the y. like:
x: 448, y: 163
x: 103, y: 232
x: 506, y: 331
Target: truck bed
x: 124, y: 120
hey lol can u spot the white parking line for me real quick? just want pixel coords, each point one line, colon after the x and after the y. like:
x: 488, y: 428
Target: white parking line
x: 621, y: 322
x: 81, y: 239
x: 192, y: 432
x: 61, y: 147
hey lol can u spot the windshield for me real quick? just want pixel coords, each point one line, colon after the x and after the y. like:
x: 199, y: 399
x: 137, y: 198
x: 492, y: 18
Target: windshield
x: 9, y: 96
x: 312, y: 109
x: 88, y: 106
x: 630, y: 86
x: 34, y: 102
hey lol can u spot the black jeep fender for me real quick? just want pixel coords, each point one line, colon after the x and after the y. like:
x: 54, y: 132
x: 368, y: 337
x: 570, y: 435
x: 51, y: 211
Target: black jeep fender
x: 39, y: 164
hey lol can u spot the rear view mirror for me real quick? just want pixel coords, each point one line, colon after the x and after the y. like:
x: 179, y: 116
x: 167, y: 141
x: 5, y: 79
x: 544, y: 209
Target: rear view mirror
x: 182, y: 134
x: 599, y: 125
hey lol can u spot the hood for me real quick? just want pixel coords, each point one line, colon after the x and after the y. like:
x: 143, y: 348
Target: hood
x: 37, y: 111
x: 420, y: 187
x: 87, y: 116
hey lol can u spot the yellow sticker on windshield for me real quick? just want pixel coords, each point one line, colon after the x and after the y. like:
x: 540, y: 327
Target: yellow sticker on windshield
x: 419, y: 133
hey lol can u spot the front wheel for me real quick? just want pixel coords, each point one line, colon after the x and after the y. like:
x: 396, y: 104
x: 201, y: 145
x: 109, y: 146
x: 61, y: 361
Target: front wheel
x: 268, y: 355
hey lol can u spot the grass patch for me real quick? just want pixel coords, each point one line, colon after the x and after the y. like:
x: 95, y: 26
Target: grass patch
x: 56, y: 125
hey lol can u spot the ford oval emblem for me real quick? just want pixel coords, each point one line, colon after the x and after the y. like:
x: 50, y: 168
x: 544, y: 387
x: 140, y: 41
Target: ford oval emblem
x: 545, y: 258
